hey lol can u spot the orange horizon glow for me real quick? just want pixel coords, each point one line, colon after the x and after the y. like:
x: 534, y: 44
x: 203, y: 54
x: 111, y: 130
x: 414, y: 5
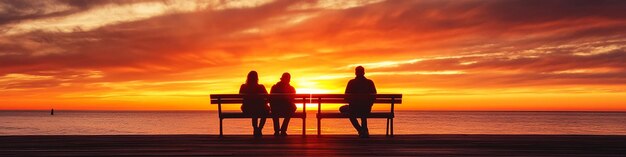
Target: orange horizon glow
x: 171, y: 55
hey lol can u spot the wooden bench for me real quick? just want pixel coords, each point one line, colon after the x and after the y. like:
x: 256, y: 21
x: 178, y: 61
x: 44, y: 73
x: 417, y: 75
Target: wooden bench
x: 391, y: 99
x: 225, y: 99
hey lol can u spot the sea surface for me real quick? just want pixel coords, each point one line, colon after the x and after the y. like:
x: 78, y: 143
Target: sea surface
x: 406, y: 122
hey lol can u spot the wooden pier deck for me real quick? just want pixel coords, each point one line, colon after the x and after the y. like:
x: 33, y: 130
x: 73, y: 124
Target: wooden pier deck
x: 331, y: 145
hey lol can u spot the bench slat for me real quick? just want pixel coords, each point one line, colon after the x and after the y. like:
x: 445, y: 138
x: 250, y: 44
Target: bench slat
x: 227, y: 101
x: 335, y: 101
x: 344, y: 95
x: 341, y: 101
x: 227, y: 96
x: 235, y: 96
x: 309, y: 98
x: 242, y: 115
x: 341, y: 115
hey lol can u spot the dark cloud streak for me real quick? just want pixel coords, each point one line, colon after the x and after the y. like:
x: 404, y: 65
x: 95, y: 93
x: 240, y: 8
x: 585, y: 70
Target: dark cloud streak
x: 19, y: 10
x: 180, y: 42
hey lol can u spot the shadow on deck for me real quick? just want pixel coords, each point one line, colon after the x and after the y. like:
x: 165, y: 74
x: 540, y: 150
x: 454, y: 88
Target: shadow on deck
x: 330, y: 145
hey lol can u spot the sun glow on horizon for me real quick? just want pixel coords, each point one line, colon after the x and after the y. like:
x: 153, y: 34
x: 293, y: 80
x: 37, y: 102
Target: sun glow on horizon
x: 311, y: 91
x: 309, y: 105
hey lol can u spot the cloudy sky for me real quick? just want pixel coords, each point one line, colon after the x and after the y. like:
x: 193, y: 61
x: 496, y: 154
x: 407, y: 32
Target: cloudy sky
x: 442, y: 55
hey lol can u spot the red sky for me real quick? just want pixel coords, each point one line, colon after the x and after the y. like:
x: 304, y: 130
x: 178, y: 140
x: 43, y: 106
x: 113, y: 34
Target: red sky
x: 442, y: 55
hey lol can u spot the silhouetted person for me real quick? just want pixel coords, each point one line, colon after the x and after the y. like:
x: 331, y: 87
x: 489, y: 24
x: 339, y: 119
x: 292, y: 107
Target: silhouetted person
x: 254, y: 103
x: 283, y: 105
x: 360, y: 99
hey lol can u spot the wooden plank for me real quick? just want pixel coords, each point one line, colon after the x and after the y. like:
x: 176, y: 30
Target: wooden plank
x: 344, y: 95
x: 215, y: 96
x: 333, y: 101
x: 315, y: 98
x: 341, y: 115
x: 226, y: 102
x: 342, y: 101
x: 242, y: 115
x: 327, y: 145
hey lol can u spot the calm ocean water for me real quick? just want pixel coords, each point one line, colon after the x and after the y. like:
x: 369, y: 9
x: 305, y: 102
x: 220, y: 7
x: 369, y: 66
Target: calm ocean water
x: 406, y: 122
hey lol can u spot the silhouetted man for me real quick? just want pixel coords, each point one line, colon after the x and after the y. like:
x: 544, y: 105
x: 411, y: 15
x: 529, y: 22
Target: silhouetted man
x: 360, y: 99
x: 282, y: 105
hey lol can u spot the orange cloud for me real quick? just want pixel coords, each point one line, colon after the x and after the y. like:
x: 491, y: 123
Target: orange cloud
x: 159, y: 54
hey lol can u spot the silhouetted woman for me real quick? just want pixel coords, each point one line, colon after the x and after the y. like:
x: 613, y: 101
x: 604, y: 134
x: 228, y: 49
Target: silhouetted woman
x: 282, y: 105
x: 254, y: 103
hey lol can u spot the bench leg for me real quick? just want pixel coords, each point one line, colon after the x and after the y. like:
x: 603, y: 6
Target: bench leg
x: 303, y: 127
x: 221, y: 132
x: 319, y: 126
x: 387, y: 129
x: 391, y: 128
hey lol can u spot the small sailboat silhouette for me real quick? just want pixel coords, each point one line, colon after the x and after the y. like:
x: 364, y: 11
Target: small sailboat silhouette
x: 52, y: 111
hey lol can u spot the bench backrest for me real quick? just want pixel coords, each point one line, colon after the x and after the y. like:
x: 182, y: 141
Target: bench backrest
x: 340, y: 98
x: 392, y: 99
x: 306, y: 98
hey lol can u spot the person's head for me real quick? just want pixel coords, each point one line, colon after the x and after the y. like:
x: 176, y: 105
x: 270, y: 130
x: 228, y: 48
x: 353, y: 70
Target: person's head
x: 253, y: 78
x: 286, y: 77
x: 359, y: 71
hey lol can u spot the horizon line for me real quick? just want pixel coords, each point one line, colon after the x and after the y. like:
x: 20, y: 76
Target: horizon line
x: 91, y: 110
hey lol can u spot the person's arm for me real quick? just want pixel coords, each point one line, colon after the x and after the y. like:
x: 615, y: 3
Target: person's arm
x: 373, y: 90
x: 272, y: 90
x: 349, y: 87
x: 241, y: 89
x: 292, y: 90
x: 292, y: 98
x: 264, y: 90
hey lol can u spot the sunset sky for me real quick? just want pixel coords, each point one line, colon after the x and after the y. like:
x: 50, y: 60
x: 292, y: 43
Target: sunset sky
x: 441, y: 55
